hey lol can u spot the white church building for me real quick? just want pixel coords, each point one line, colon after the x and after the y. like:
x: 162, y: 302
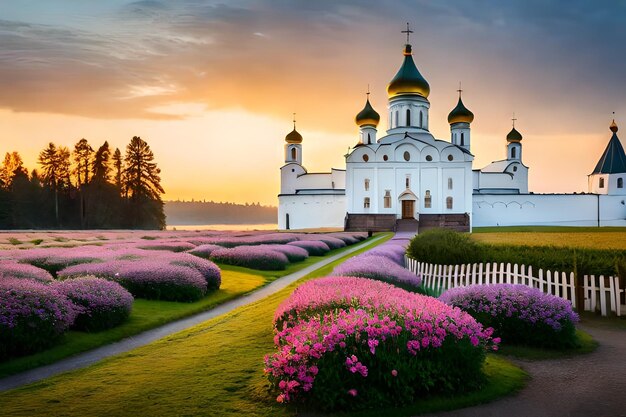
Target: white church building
x: 410, y: 177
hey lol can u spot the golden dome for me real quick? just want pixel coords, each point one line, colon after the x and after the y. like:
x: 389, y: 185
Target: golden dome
x: 460, y: 114
x: 613, y: 127
x: 514, y: 136
x: 368, y: 116
x: 293, y: 136
x: 408, y: 80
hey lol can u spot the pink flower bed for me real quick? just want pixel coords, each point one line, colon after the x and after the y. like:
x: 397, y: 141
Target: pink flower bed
x: 11, y: 269
x: 168, y: 246
x: 100, y: 304
x: 251, y: 257
x: 381, y: 268
x: 313, y: 247
x: 332, y: 242
x: 293, y: 253
x: 204, y: 251
x: 338, y: 339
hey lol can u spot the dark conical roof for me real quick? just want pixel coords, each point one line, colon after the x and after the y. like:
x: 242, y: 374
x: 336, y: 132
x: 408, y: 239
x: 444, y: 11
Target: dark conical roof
x: 514, y: 136
x: 613, y: 160
x: 408, y: 80
x: 367, y: 116
x: 460, y: 114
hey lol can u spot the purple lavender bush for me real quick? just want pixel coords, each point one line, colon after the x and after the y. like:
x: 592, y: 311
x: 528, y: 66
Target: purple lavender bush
x: 11, y: 269
x: 389, y: 250
x: 313, y: 247
x: 380, y: 268
x: 211, y: 272
x: 101, y: 304
x: 32, y: 316
x: 204, y: 251
x: 332, y: 242
x: 168, y: 246
x: 519, y: 314
x: 253, y: 257
x: 293, y: 253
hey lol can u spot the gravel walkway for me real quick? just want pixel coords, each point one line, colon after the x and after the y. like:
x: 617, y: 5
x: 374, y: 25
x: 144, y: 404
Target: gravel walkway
x: 592, y: 385
x: 87, y: 358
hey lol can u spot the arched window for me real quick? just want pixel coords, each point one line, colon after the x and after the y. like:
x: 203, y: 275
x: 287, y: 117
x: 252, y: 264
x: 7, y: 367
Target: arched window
x: 408, y: 117
x: 397, y: 117
x: 620, y: 182
x: 449, y: 183
x: 293, y: 153
x: 366, y: 202
x: 387, y: 199
x: 449, y: 203
x: 421, y: 119
x: 407, y: 181
x: 369, y: 139
x: 367, y: 184
x: 601, y: 185
x: 462, y: 139
x: 428, y: 202
x: 513, y: 152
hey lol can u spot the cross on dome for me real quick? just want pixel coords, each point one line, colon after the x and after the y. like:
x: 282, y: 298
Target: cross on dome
x: 408, y: 32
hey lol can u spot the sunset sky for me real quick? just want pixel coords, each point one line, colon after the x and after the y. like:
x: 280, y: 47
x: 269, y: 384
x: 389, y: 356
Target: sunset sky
x: 211, y: 86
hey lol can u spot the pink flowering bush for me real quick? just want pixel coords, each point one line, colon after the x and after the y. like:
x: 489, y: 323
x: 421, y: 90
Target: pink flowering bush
x: 32, y: 316
x: 350, y: 343
x: 168, y: 246
x: 251, y: 257
x: 332, y: 242
x: 519, y: 314
x: 55, y: 259
x: 381, y: 268
x: 204, y: 251
x: 293, y: 253
x: 313, y: 247
x: 101, y: 304
x: 11, y: 269
x: 389, y: 250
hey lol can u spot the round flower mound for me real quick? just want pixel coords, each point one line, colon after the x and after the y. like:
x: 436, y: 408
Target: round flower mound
x: 168, y: 246
x: 380, y: 268
x: 32, y: 316
x: 313, y: 247
x: 101, y: 304
x: 204, y: 251
x: 211, y: 272
x: 332, y: 242
x: 293, y: 253
x: 392, y: 251
x: 519, y: 314
x: 350, y: 343
x: 11, y: 269
x: 251, y: 257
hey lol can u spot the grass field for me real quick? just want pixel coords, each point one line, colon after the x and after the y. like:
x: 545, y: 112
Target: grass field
x: 581, y: 237
x: 212, y: 369
x: 148, y: 314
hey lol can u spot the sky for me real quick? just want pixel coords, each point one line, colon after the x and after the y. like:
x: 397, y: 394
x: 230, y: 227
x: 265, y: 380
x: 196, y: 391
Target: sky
x: 211, y: 86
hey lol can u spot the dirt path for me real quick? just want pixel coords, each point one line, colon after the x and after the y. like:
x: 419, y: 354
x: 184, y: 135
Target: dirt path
x: 592, y: 385
x: 87, y: 358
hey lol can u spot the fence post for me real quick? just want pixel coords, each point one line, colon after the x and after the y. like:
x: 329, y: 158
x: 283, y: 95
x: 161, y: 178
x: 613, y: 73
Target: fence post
x: 602, y: 296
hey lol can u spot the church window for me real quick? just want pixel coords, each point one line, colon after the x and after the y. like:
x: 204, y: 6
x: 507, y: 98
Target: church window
x: 397, y: 117
x: 449, y: 203
x: 332, y: 184
x: 407, y: 181
x: 428, y: 202
x: 513, y: 152
x: 450, y: 158
x: 601, y: 183
x: 620, y: 182
x: 369, y: 139
x: 429, y: 158
x: 367, y: 184
x: 407, y: 156
x: 293, y: 153
x: 366, y: 158
x: 387, y: 199
x: 293, y: 170
x: 385, y: 157
x: 408, y: 117
x: 421, y: 119
x: 366, y: 202
x: 462, y: 139
x: 449, y: 183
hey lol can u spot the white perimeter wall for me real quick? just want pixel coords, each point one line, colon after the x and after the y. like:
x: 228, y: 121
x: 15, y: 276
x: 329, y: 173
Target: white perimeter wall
x: 548, y: 210
x: 311, y: 211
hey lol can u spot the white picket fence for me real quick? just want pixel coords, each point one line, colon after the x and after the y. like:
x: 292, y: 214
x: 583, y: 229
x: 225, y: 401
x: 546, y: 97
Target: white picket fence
x: 597, y: 292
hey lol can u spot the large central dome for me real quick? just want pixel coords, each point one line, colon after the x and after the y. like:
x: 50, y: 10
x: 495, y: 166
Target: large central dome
x: 408, y: 80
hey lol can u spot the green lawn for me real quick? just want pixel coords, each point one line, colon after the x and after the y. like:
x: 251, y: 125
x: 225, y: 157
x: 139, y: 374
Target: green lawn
x: 580, y: 237
x: 213, y: 369
x: 148, y: 314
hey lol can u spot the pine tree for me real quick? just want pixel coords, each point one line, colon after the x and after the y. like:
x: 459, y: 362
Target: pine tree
x: 11, y: 166
x: 118, y: 166
x: 101, y: 167
x: 82, y: 158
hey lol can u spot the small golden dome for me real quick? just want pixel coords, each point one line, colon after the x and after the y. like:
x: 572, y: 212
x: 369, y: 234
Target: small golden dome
x: 514, y: 136
x: 368, y: 116
x: 408, y: 80
x: 293, y: 137
x: 460, y: 114
x: 613, y: 127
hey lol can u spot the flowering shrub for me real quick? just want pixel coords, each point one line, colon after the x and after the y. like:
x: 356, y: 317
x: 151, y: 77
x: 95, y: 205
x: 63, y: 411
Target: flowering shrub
x: 101, y: 304
x: 204, y: 251
x: 332, y: 242
x: 55, y: 259
x: 169, y: 246
x: 389, y: 250
x: 380, y: 268
x: 313, y: 247
x: 293, y: 253
x: 348, y: 343
x: 519, y: 314
x: 264, y: 239
x: 251, y: 257
x: 32, y: 316
x: 208, y: 269
x: 10, y: 269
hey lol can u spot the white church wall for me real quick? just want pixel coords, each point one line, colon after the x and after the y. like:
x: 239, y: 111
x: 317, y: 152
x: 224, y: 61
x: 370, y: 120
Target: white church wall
x: 548, y: 210
x: 429, y: 180
x: 456, y: 191
x: 311, y: 211
x: 314, y: 181
x: 358, y: 191
x: 289, y: 177
x: 385, y: 182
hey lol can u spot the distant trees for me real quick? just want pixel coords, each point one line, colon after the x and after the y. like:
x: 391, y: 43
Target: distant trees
x: 83, y: 188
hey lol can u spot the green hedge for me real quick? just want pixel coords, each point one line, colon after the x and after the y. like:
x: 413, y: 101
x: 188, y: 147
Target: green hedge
x: 446, y: 247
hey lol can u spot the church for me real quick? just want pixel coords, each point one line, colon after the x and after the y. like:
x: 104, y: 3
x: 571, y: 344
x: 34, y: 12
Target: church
x: 410, y: 179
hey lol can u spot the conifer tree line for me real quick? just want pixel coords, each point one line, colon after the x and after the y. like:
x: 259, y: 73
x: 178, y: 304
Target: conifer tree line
x: 83, y: 188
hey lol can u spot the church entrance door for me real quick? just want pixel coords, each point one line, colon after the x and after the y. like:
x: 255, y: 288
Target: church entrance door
x: 408, y: 209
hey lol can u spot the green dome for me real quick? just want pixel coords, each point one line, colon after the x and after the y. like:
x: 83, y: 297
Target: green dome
x: 514, y: 136
x: 367, y: 116
x: 408, y: 80
x: 460, y: 114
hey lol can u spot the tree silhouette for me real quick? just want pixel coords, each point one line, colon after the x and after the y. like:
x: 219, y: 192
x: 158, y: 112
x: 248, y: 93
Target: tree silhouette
x: 101, y: 164
x: 82, y: 158
x: 11, y: 166
x: 118, y: 162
